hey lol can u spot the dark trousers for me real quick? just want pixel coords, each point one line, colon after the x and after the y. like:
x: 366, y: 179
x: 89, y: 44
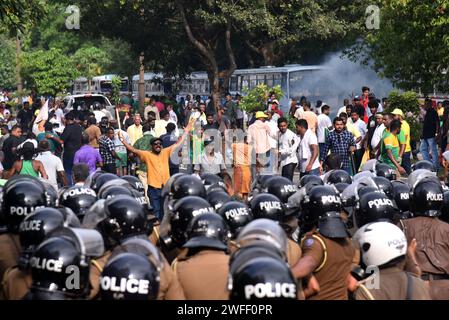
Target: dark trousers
x: 314, y: 172
x: 239, y: 123
x: 110, y: 167
x: 288, y: 170
x: 321, y: 147
x: 406, y: 162
x: 174, y: 170
x: 358, y: 155
x: 67, y: 162
x: 156, y: 201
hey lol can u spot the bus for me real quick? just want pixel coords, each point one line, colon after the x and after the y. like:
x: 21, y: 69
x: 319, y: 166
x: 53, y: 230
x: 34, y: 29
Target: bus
x: 155, y: 84
x: 196, y: 84
x: 80, y: 85
x: 103, y: 84
x: 295, y: 81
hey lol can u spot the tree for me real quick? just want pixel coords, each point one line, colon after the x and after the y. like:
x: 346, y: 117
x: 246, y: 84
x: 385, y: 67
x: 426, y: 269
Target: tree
x: 18, y: 14
x: 7, y: 67
x: 49, y: 72
x: 90, y: 62
x: 411, y: 47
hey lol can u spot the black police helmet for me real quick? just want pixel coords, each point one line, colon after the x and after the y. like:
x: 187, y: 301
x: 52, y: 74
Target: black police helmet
x: 79, y: 199
x: 268, y: 206
x: 423, y: 164
x: 281, y: 187
x: 208, y: 230
x: 310, y: 178
x: 135, y: 183
x: 263, y: 278
x: 188, y: 185
x: 384, y: 184
x: 129, y: 276
x: 236, y: 215
x: 373, y: 207
x: 339, y: 176
x: 113, y: 191
x: 401, y: 196
x: 125, y: 218
x: 340, y: 186
x: 384, y: 170
x: 218, y: 198
x: 184, y: 211
x: 212, y: 179
x: 320, y: 201
x: 167, y: 189
x: 427, y: 198
x: 20, y: 200
x: 102, y: 179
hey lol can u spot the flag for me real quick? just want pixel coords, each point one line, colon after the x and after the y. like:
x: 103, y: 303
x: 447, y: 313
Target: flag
x: 41, y: 118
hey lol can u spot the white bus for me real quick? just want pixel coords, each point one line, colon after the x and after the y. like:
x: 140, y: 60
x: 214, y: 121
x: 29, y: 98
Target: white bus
x: 80, y: 85
x: 155, y: 84
x: 103, y: 84
x: 196, y: 84
x: 295, y: 81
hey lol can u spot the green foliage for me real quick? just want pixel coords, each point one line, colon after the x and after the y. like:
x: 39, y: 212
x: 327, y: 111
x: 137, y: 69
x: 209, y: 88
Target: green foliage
x: 90, y: 61
x: 409, y: 104
x: 49, y: 72
x: 19, y: 14
x: 256, y: 98
x: 115, y: 94
x: 411, y: 46
x: 7, y: 65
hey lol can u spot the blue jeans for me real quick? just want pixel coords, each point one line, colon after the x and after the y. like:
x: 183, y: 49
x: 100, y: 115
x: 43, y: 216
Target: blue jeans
x: 321, y: 147
x: 406, y: 163
x: 67, y: 162
x: 156, y: 201
x: 430, y: 145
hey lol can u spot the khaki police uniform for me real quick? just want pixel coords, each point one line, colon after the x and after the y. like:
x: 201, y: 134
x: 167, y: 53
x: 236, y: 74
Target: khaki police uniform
x: 169, y: 287
x: 293, y: 252
x: 16, y: 284
x: 334, y: 257
x: 204, y: 275
x: 393, y: 284
x: 432, y: 252
x: 9, y: 253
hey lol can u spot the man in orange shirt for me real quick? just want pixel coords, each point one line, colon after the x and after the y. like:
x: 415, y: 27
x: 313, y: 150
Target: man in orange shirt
x: 157, y: 161
x: 310, y: 117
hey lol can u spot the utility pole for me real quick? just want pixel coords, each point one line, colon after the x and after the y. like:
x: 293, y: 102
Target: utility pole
x: 142, y: 83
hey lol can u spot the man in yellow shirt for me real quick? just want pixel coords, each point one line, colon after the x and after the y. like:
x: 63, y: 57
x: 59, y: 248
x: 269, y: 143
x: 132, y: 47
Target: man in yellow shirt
x: 405, y: 129
x: 158, y: 170
x: 135, y: 131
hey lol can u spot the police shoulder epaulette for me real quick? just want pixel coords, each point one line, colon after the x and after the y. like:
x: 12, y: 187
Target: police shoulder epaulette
x: 97, y: 265
x: 323, y: 245
x: 156, y: 232
x: 174, y: 264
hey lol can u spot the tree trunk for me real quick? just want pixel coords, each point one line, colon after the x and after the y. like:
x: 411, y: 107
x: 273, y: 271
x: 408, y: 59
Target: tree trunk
x: 215, y: 88
x: 142, y: 84
x: 18, y: 66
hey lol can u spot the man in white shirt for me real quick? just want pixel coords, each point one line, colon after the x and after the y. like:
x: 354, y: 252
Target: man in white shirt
x: 151, y: 107
x: 272, y: 138
x: 210, y: 161
x: 377, y: 135
x: 308, y: 149
x: 161, y: 124
x: 288, y: 143
x: 173, y: 116
x: 52, y: 165
x: 324, y: 125
x: 360, y: 125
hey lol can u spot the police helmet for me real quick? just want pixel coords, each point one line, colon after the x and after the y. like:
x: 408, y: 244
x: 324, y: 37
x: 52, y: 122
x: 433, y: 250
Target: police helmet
x: 340, y: 186
x: 427, y: 198
x: 268, y: 206
x: 385, y: 185
x: 423, y: 164
x: 51, y: 194
x: 338, y: 176
x: 217, y: 199
x: 188, y: 185
x: 91, y: 180
x: 135, y: 183
x: 113, y: 191
x: 384, y: 170
x: 167, y: 188
x: 373, y: 207
x: 34, y: 229
x: 129, y: 276
x: 263, y: 278
x: 381, y: 244
x: 445, y: 208
x: 281, y: 187
x: 79, y: 199
x: 102, y: 179
x: 125, y: 217
x: 401, y: 196
x: 236, y: 215
x: 263, y: 230
x: 212, y: 179
x: 208, y: 230
x: 216, y: 188
x: 310, y: 178
x: 20, y: 200
x: 185, y: 210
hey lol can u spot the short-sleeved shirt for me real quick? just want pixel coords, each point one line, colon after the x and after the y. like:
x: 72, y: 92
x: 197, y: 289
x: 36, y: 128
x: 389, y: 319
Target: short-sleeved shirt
x: 52, y: 165
x: 212, y: 166
x: 42, y: 136
x: 406, y: 128
x: 106, y: 148
x: 304, y: 150
x: 144, y: 143
x: 389, y: 142
x: 324, y: 122
x: 88, y: 155
x: 158, y: 171
x: 312, y: 120
x: 94, y: 134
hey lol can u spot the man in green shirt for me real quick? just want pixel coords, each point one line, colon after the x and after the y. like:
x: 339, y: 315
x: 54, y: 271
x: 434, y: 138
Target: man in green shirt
x: 49, y: 135
x: 389, y: 148
x: 143, y: 143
